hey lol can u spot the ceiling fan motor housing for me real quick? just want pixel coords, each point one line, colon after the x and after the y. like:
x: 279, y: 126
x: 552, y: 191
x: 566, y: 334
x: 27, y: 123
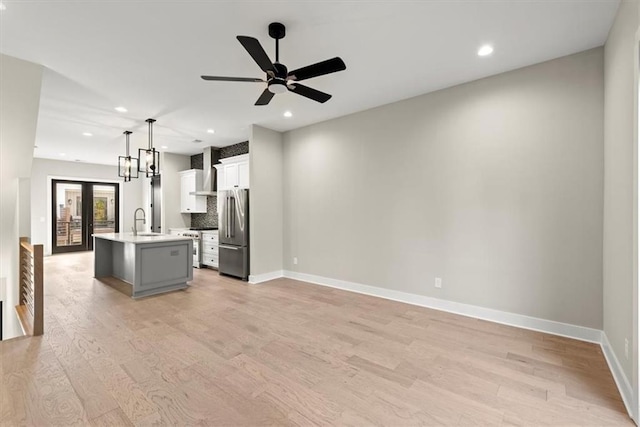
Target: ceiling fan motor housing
x: 280, y: 71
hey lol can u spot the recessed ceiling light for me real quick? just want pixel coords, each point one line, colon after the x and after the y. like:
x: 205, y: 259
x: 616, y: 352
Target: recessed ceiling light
x: 485, y: 50
x: 121, y: 109
x: 63, y: 154
x: 197, y: 141
x: 211, y: 131
x: 164, y: 147
x: 288, y: 114
x: 87, y: 134
x: 2, y: 6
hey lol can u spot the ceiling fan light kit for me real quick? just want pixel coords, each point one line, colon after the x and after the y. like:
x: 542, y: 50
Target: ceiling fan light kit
x: 278, y: 78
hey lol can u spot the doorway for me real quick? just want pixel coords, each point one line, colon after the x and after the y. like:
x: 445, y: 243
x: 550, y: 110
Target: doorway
x: 81, y: 209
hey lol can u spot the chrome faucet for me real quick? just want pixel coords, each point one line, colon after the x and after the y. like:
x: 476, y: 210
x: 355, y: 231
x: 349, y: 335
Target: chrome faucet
x: 135, y: 221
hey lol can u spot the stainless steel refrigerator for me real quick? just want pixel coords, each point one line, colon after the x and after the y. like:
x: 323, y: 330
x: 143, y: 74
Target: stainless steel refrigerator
x: 233, y: 229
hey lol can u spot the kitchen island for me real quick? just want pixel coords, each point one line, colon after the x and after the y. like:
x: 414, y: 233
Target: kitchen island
x: 151, y: 263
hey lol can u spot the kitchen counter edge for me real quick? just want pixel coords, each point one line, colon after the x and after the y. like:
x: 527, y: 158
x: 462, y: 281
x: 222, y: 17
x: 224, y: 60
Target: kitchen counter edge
x: 130, y: 238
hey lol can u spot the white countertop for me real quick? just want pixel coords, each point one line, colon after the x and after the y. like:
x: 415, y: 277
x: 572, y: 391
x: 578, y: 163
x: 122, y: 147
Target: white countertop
x: 147, y: 238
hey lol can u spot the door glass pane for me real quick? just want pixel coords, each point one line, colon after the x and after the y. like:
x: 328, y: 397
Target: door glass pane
x: 69, y: 214
x: 104, y: 209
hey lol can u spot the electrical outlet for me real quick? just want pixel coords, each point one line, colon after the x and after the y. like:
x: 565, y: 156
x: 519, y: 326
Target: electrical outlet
x: 295, y: 260
x: 626, y: 348
x: 438, y: 283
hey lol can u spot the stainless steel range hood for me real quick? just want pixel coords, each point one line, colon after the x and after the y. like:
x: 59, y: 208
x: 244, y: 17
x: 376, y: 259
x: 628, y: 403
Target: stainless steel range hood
x: 210, y: 157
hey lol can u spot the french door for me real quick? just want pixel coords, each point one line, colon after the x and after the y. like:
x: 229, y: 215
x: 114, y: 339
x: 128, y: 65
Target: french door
x: 81, y: 209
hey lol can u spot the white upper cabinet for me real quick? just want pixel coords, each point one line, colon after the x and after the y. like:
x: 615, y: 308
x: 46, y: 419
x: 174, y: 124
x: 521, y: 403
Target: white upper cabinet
x: 243, y: 174
x: 230, y: 175
x: 190, y: 181
x: 233, y: 172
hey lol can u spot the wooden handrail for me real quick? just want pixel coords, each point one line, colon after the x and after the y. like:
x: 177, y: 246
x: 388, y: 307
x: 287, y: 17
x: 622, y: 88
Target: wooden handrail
x: 30, y: 309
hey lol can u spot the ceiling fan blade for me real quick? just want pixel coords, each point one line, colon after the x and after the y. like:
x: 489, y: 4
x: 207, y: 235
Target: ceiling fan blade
x: 256, y: 51
x: 310, y: 93
x: 233, y: 79
x: 265, y: 97
x: 319, y: 69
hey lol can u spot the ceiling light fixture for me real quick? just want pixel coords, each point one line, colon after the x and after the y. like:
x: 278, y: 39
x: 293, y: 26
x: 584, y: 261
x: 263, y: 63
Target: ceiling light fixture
x: 211, y: 131
x: 3, y: 6
x: 63, y: 154
x: 151, y: 155
x: 127, y: 165
x: 121, y: 109
x: 164, y: 147
x: 485, y: 50
x: 288, y: 114
x: 87, y: 134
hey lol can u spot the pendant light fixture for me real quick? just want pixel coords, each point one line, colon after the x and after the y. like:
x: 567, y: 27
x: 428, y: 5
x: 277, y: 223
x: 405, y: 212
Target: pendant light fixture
x: 127, y: 165
x: 150, y: 158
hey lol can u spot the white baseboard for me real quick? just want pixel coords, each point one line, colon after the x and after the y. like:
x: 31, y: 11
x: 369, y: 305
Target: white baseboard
x: 521, y: 321
x: 626, y: 391
x: 254, y: 279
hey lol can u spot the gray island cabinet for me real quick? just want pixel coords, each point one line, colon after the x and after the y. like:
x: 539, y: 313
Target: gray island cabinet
x: 151, y: 263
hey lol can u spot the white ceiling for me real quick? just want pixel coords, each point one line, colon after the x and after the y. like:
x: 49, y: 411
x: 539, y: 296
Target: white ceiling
x: 148, y: 56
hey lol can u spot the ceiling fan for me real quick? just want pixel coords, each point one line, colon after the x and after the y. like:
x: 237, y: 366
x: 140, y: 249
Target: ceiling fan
x: 279, y: 79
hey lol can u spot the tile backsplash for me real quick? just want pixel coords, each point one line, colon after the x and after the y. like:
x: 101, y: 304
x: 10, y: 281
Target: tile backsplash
x: 197, y: 161
x: 234, y: 150
x: 210, y: 219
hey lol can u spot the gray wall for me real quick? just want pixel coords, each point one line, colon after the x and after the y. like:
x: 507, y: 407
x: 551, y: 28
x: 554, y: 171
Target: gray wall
x: 619, y: 145
x: 265, y: 200
x: 43, y: 169
x: 496, y: 186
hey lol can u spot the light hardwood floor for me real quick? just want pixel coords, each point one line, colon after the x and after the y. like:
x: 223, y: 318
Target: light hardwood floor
x: 227, y: 353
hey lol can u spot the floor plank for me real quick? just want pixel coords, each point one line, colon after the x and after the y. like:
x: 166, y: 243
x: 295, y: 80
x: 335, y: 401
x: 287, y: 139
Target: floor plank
x: 224, y: 352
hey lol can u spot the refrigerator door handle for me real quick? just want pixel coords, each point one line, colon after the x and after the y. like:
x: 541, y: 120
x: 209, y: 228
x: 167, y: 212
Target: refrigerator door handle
x: 228, y: 224
x: 231, y: 200
x: 233, y: 248
x: 232, y: 207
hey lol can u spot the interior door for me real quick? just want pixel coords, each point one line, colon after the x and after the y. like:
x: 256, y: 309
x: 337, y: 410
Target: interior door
x: 79, y: 210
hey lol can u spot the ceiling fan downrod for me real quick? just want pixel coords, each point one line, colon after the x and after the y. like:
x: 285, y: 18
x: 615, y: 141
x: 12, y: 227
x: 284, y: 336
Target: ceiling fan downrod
x: 277, y: 31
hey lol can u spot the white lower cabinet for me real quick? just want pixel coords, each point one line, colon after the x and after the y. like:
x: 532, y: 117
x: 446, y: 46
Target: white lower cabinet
x: 210, y: 248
